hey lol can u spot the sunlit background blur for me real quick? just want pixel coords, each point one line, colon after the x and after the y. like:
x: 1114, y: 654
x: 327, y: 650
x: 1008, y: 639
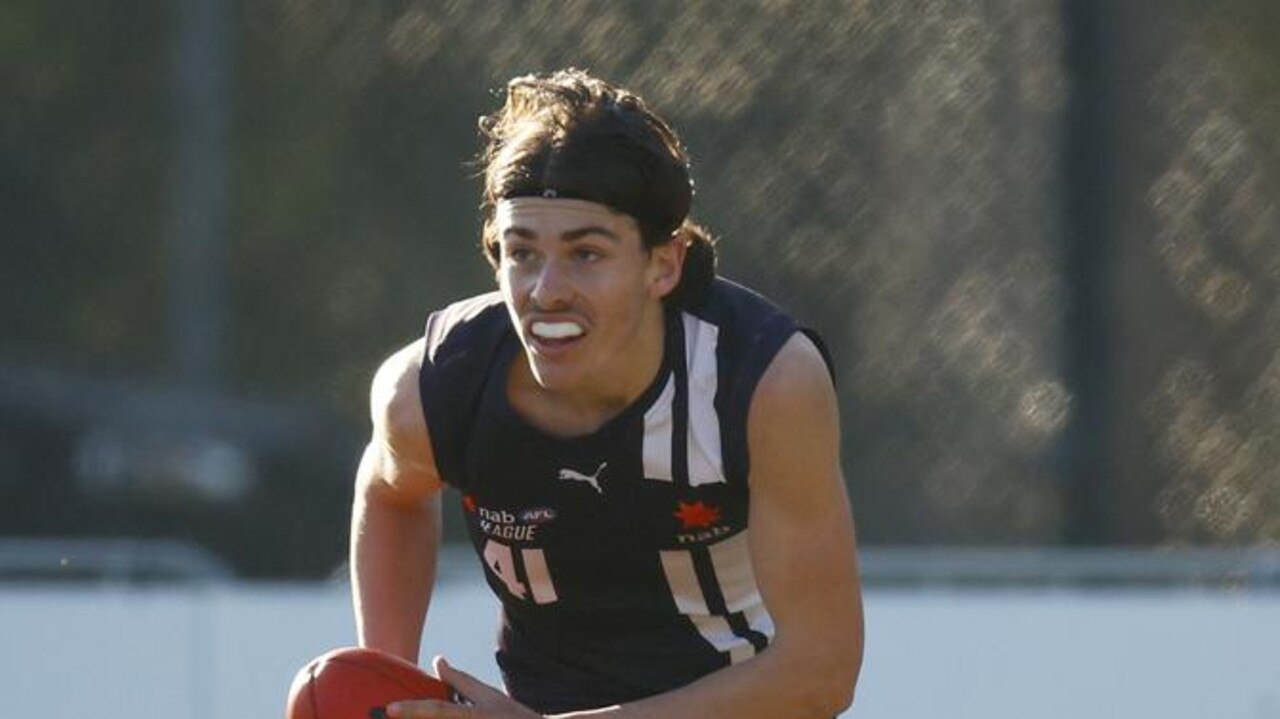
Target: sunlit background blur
x: 1042, y: 239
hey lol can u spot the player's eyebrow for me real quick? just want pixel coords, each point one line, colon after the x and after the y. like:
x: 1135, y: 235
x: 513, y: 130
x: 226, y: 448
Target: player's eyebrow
x: 573, y: 235
x: 581, y: 232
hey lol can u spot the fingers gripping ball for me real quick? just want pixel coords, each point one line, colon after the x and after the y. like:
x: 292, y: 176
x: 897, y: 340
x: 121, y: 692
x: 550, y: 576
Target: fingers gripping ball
x: 356, y: 683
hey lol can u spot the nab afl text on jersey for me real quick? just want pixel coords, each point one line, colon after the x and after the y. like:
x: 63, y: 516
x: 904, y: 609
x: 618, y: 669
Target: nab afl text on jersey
x: 620, y: 557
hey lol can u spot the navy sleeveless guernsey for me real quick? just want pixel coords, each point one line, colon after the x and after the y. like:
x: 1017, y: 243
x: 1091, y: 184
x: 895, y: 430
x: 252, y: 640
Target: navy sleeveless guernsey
x: 620, y: 557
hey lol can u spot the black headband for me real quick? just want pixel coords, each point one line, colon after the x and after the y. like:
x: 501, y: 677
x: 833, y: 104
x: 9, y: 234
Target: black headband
x: 610, y: 169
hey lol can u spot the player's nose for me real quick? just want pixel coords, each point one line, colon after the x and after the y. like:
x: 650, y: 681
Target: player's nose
x: 552, y: 288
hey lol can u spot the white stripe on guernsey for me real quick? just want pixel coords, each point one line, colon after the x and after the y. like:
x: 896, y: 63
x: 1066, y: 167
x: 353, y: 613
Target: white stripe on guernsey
x: 732, y: 561
x: 677, y: 564
x: 658, y: 423
x: 535, y: 569
x: 718, y: 634
x: 732, y: 567
x: 759, y: 619
x: 705, y: 463
x: 741, y: 651
x: 683, y: 580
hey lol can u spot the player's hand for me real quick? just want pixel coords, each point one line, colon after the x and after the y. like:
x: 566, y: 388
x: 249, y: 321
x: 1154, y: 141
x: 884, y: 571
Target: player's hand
x: 486, y: 702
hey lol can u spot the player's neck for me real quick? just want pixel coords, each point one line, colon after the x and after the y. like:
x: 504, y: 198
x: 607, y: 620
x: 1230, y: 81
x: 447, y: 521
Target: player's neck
x: 588, y: 406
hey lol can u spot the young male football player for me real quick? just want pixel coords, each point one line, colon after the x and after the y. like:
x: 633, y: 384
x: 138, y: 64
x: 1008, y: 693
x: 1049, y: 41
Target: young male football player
x: 647, y: 454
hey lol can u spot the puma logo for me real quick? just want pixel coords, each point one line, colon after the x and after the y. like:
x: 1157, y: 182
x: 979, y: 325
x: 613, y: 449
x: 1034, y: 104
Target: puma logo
x: 591, y: 479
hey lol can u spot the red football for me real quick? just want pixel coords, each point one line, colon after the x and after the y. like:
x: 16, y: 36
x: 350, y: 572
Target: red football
x: 357, y: 683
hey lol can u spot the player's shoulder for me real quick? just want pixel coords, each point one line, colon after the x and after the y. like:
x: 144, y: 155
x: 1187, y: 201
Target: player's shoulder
x: 460, y: 344
x: 731, y: 304
x: 401, y: 438
x: 763, y: 337
x: 454, y: 327
x: 396, y: 395
x: 799, y: 367
x: 795, y: 397
x: 393, y: 398
x: 750, y: 328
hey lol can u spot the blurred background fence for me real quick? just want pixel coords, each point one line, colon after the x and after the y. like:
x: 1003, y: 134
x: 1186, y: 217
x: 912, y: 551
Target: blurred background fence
x: 1043, y: 239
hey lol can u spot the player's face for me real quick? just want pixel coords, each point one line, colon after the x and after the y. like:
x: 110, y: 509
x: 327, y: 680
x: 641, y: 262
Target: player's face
x: 585, y: 295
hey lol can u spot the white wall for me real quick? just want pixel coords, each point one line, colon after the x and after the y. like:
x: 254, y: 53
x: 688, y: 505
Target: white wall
x: 228, y: 651
x: 1156, y: 654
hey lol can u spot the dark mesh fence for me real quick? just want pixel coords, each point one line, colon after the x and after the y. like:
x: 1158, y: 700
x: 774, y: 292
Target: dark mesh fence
x: 1041, y: 238
x: 1198, y: 231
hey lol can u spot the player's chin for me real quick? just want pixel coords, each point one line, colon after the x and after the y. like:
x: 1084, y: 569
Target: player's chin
x: 555, y: 376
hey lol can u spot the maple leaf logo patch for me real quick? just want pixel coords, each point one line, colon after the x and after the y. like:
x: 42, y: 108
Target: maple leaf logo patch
x: 696, y: 515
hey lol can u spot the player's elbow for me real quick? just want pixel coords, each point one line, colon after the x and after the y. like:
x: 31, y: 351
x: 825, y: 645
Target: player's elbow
x: 825, y: 673
x: 846, y: 661
x: 824, y: 694
x: 837, y: 679
x: 842, y: 648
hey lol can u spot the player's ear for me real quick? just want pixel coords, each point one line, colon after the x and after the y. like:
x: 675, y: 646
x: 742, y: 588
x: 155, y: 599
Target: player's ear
x: 666, y: 264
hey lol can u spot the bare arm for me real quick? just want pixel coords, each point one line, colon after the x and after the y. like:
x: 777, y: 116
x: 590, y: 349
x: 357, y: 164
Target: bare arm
x: 395, y: 517
x: 804, y: 557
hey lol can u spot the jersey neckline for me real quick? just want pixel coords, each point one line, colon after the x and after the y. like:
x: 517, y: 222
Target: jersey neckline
x: 502, y: 402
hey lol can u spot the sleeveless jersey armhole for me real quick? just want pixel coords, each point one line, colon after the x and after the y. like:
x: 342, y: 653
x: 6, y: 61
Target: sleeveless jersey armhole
x: 461, y: 342
x: 823, y: 350
x: 762, y: 346
x: 775, y: 333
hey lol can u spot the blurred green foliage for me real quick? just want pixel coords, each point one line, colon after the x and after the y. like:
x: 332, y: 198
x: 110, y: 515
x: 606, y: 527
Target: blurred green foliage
x: 81, y: 164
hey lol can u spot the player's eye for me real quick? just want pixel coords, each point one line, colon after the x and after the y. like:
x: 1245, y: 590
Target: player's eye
x: 517, y: 254
x: 587, y: 254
